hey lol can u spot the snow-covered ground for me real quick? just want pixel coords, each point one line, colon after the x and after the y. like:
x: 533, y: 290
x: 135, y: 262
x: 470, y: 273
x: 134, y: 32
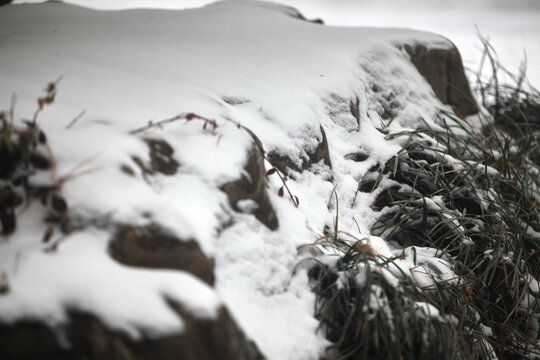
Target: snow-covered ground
x: 513, y: 26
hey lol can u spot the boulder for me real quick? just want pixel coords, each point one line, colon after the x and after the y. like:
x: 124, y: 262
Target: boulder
x: 85, y: 337
x: 443, y: 70
x: 153, y: 247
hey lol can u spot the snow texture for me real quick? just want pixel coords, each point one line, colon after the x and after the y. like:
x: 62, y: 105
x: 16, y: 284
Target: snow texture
x: 512, y: 26
x: 253, y: 63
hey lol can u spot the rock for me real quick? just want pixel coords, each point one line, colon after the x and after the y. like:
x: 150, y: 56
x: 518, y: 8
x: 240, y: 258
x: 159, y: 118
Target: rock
x: 358, y: 156
x: 161, y: 159
x: 321, y: 152
x: 297, y: 14
x: 354, y: 107
x: 253, y: 187
x: 443, y: 70
x: 152, y: 247
x: 87, y: 338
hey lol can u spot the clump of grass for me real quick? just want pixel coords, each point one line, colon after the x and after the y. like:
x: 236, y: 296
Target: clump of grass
x: 515, y: 105
x: 24, y: 152
x: 369, y: 309
x: 472, y: 191
x: 485, y: 217
x: 489, y: 214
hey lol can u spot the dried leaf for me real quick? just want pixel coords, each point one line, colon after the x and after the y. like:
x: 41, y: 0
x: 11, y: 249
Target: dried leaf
x: 271, y: 171
x: 281, y: 191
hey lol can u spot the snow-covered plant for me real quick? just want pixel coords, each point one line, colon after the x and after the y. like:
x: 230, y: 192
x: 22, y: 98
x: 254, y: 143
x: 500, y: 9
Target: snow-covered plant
x: 472, y: 193
x: 369, y: 309
x: 25, y: 152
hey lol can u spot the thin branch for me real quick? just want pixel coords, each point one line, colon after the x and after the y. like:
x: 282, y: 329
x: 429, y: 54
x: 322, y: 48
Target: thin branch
x: 77, y: 118
x: 182, y: 116
x: 213, y: 125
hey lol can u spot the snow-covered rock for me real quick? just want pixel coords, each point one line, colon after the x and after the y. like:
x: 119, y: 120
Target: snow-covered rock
x: 172, y: 220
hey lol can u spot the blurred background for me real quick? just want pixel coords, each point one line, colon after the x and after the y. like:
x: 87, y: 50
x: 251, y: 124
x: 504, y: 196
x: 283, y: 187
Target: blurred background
x: 512, y: 26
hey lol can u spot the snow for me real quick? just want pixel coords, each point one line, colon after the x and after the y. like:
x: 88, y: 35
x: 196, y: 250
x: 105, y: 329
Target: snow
x: 427, y: 309
x: 255, y: 279
x: 513, y: 27
x: 237, y: 62
x: 78, y: 277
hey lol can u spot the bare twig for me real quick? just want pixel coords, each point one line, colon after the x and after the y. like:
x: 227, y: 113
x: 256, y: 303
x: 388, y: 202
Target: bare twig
x: 75, y: 119
x: 182, y: 116
x: 213, y: 125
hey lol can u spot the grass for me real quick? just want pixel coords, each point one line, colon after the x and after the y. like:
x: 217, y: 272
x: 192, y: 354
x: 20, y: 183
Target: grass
x: 25, y: 152
x: 368, y: 317
x: 472, y: 191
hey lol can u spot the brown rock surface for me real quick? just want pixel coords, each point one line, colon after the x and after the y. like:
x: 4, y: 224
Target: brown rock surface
x: 253, y: 187
x: 88, y: 339
x: 161, y: 159
x: 321, y: 152
x: 153, y: 247
x: 443, y: 70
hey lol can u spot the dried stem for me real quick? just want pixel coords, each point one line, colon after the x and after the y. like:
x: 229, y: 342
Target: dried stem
x: 182, y: 116
x: 213, y: 125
